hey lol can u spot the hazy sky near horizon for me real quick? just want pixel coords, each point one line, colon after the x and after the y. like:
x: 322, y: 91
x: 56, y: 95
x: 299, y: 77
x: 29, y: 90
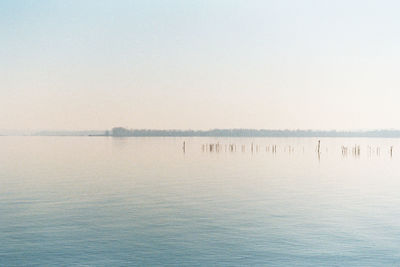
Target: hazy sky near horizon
x: 199, y: 64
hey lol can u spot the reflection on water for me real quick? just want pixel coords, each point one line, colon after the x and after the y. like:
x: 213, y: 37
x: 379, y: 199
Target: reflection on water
x: 102, y: 201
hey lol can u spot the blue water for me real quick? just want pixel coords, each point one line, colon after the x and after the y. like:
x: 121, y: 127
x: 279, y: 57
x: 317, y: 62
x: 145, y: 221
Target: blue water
x: 98, y: 201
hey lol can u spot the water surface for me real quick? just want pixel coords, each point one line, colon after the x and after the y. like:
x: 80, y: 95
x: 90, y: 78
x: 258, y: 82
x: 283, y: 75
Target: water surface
x: 102, y: 201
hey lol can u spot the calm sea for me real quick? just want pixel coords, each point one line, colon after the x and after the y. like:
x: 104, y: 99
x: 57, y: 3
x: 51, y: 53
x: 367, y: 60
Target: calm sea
x: 102, y: 201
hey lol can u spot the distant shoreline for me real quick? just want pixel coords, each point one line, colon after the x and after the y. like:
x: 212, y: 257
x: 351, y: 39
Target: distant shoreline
x: 123, y: 132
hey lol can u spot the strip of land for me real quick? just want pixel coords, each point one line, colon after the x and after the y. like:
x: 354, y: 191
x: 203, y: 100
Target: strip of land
x: 125, y: 132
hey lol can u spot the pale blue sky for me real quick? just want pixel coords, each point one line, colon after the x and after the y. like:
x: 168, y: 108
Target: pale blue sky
x: 199, y: 64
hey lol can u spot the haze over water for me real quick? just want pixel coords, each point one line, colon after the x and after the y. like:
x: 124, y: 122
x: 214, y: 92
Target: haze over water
x: 101, y: 201
x: 313, y: 67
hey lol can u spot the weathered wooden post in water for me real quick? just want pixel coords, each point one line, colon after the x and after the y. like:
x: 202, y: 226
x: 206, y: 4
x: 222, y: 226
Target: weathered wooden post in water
x: 184, y: 147
x: 319, y: 146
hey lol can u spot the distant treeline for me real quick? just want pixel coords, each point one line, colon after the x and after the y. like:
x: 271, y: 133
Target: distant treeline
x: 123, y: 132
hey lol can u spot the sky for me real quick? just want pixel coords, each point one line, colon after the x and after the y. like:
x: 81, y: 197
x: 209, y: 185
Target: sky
x: 93, y: 64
